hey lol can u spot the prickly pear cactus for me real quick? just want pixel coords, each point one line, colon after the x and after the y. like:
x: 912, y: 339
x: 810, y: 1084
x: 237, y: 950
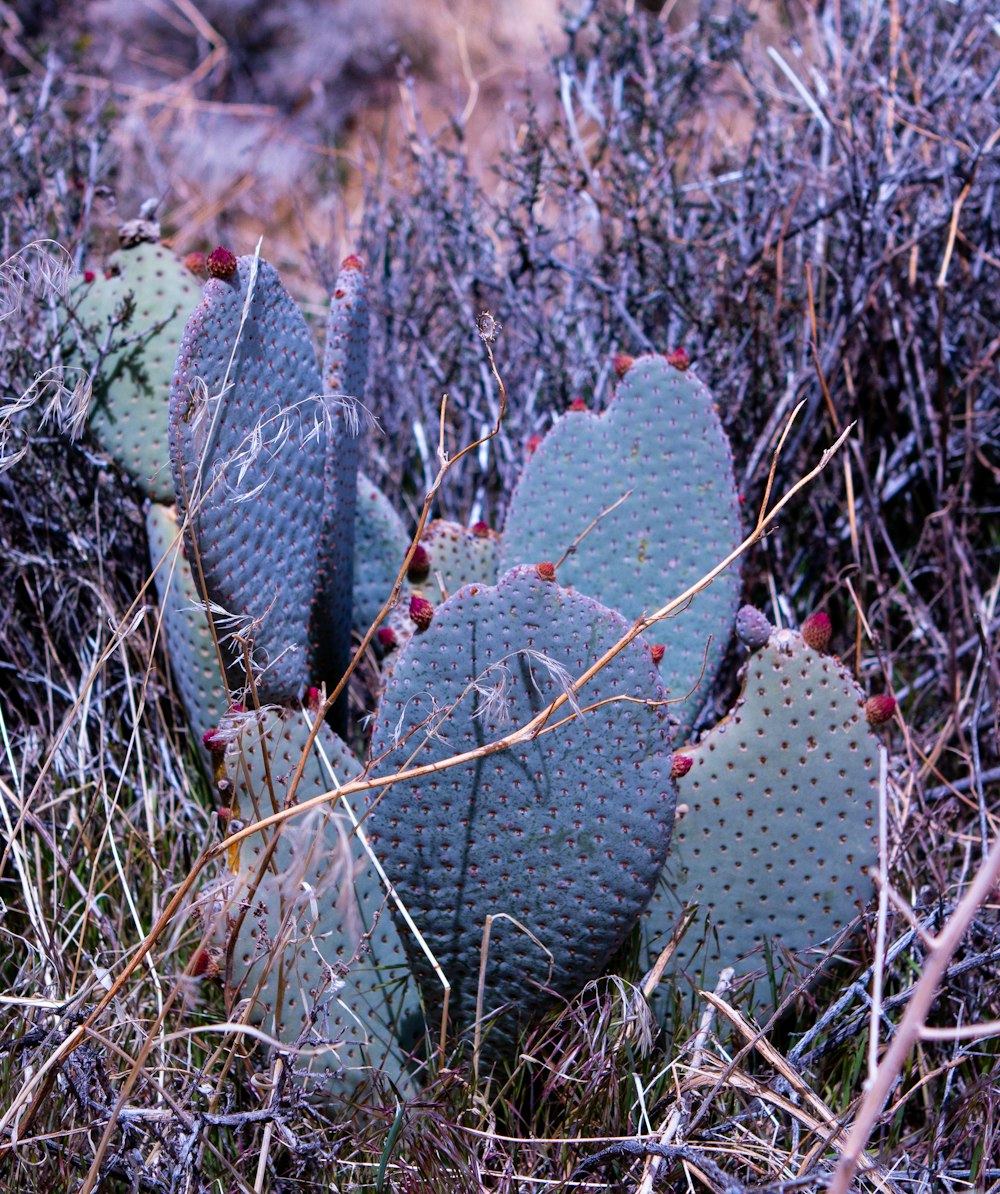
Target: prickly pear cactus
x: 660, y: 438
x: 310, y: 942
x: 562, y: 838
x: 189, y: 643
x: 380, y: 546
x: 456, y: 555
x: 345, y: 375
x: 247, y: 454
x: 782, y: 799
x: 139, y: 310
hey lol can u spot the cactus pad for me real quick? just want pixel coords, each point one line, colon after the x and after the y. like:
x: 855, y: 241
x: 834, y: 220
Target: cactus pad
x: 660, y: 438
x: 189, y: 642
x: 248, y: 465
x: 782, y: 800
x: 380, y: 546
x: 295, y: 950
x: 567, y: 834
x: 155, y: 292
x: 457, y: 556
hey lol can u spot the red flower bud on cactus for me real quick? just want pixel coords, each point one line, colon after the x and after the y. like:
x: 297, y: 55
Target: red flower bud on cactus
x: 578, y: 404
x: 481, y: 529
x: 214, y: 741
x: 221, y: 263
x: 816, y: 630
x: 89, y: 275
x: 207, y: 964
x: 681, y: 765
x: 534, y: 443
x: 623, y: 363
x: 420, y: 564
x: 657, y: 650
x: 352, y: 262
x: 197, y: 263
x: 421, y: 613
x: 546, y: 570
x: 678, y: 358
x: 314, y: 698
x: 385, y: 636
x: 880, y: 709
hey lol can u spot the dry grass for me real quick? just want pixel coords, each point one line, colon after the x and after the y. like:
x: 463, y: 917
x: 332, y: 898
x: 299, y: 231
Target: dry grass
x: 829, y: 232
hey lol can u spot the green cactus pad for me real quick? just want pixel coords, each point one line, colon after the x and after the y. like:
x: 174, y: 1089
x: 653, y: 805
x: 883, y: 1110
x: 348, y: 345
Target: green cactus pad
x: 317, y: 898
x: 189, y: 643
x: 458, y: 556
x: 380, y: 546
x: 249, y: 465
x: 782, y: 799
x: 661, y: 438
x: 345, y: 375
x: 567, y: 835
x: 132, y: 388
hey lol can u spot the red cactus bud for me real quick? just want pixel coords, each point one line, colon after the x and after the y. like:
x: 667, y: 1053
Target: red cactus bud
x: 352, y: 262
x: 314, y: 698
x: 421, y: 613
x: 816, y: 630
x: 546, y: 570
x: 385, y: 636
x: 112, y: 271
x: 623, y: 363
x: 481, y: 529
x: 420, y: 564
x: 197, y: 263
x: 221, y: 263
x: 339, y: 294
x: 534, y: 443
x: 681, y: 765
x: 678, y: 358
x: 212, y: 740
x: 578, y: 404
x: 206, y: 964
x: 89, y: 275
x: 880, y: 709
x: 657, y: 650
x: 235, y: 708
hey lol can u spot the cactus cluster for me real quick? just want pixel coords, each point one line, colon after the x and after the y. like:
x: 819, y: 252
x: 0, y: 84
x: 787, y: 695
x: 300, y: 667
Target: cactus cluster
x: 552, y: 848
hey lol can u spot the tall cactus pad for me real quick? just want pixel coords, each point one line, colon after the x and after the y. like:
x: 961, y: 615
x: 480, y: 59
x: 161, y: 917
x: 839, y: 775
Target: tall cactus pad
x: 457, y: 556
x: 380, y: 546
x: 345, y: 375
x: 782, y: 798
x: 661, y: 438
x: 566, y: 834
x: 142, y: 305
x: 189, y: 642
x: 299, y: 949
x: 247, y: 456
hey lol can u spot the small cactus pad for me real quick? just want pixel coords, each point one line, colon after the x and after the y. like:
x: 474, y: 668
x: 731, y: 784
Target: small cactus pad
x: 248, y: 464
x: 457, y: 556
x: 190, y: 646
x: 752, y: 627
x: 660, y: 438
x: 380, y: 546
x: 782, y: 800
x: 345, y: 376
x: 315, y: 898
x: 139, y: 310
x: 566, y: 834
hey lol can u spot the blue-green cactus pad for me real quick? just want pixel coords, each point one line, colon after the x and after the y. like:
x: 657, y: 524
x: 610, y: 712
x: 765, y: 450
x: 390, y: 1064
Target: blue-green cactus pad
x: 132, y: 389
x: 317, y: 898
x: 249, y: 465
x: 189, y: 643
x: 782, y: 800
x: 380, y: 546
x: 567, y: 834
x: 660, y: 437
x: 345, y: 373
x: 458, y: 556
